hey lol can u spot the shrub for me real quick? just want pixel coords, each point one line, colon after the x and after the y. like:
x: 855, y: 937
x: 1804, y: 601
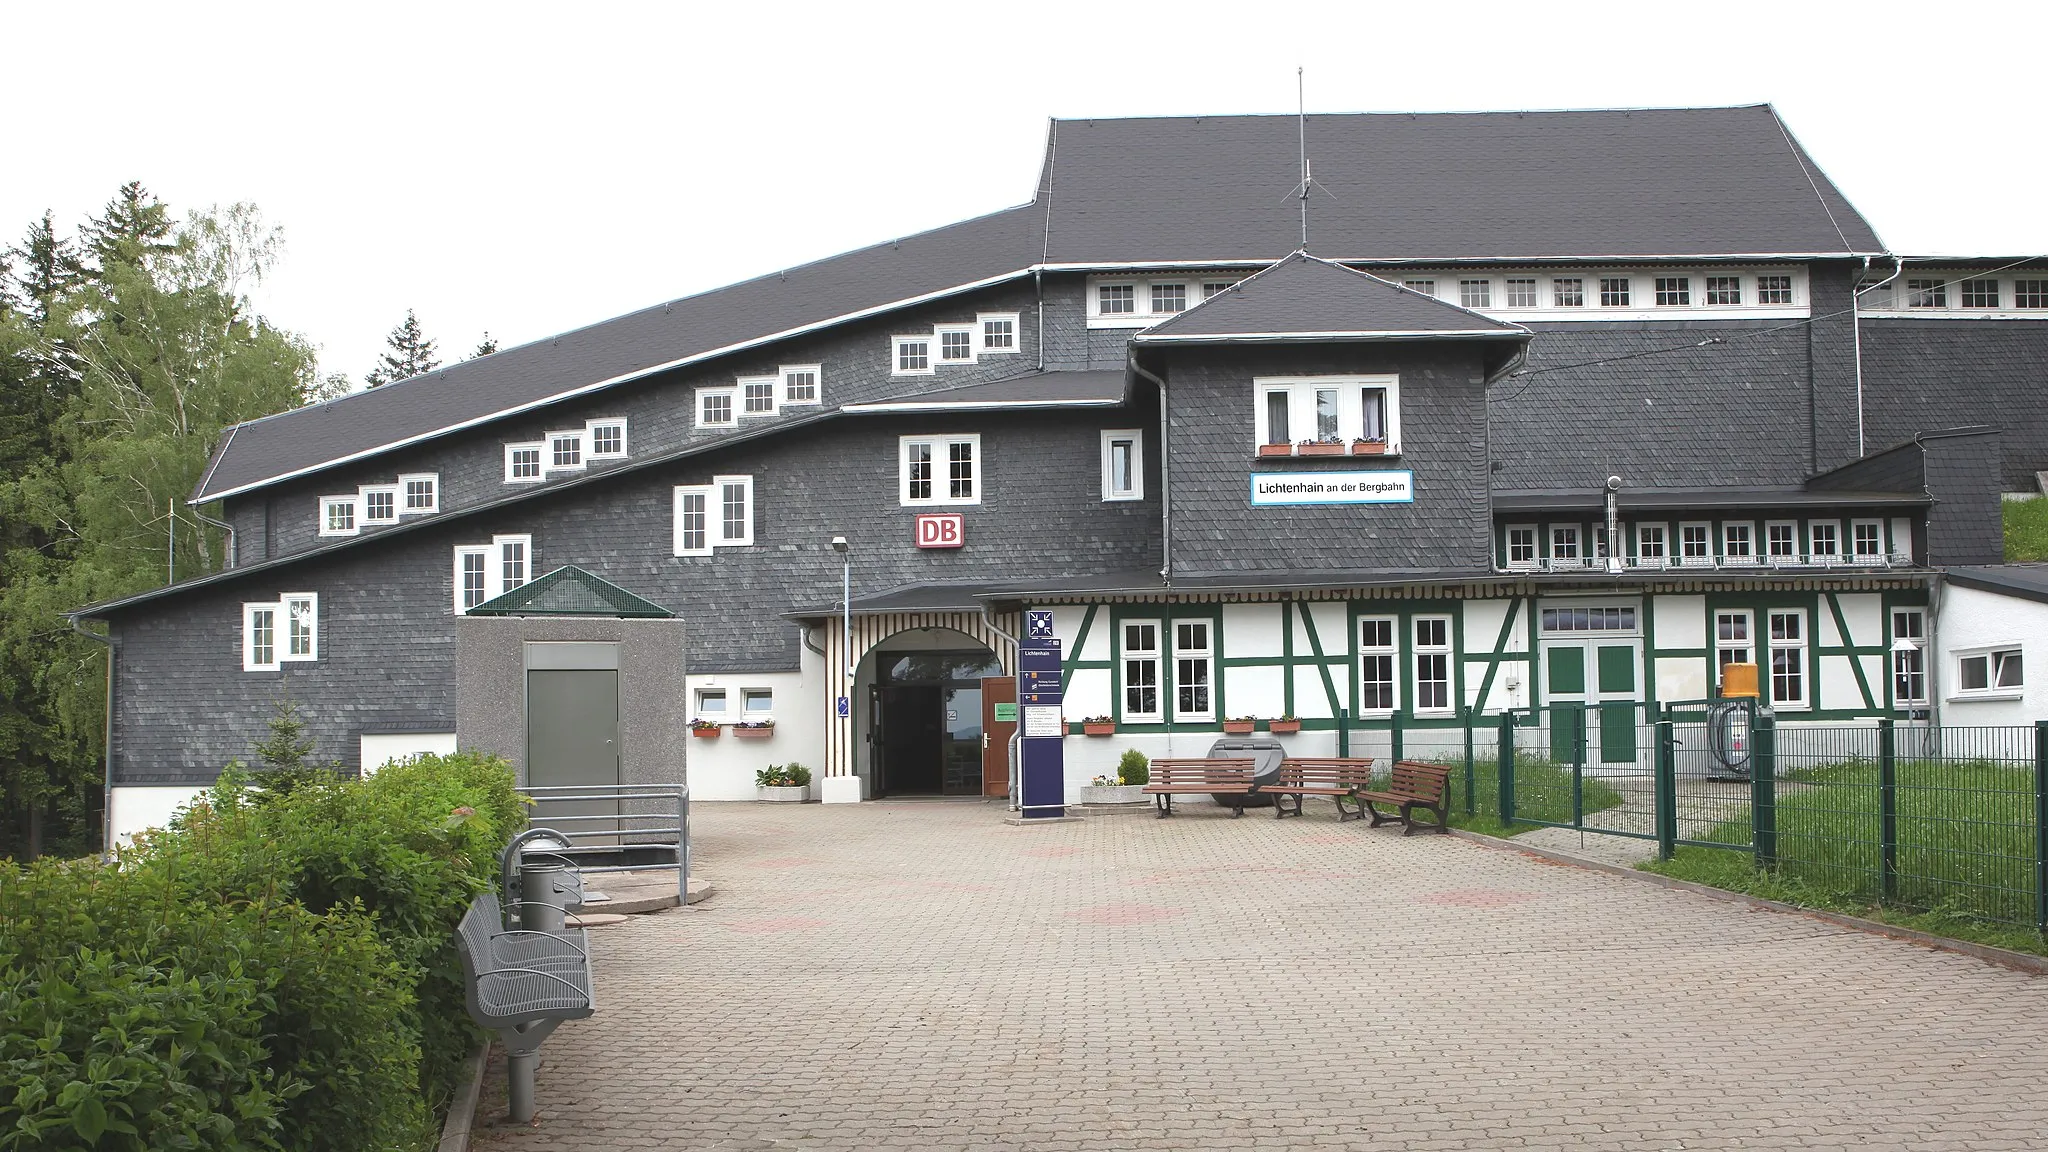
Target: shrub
x: 790, y: 775
x: 1133, y: 768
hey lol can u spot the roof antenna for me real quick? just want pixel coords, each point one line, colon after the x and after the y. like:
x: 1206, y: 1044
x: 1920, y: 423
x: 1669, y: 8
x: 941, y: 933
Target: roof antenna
x: 1301, y: 135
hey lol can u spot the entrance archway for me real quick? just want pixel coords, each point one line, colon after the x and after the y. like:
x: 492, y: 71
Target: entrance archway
x: 929, y: 695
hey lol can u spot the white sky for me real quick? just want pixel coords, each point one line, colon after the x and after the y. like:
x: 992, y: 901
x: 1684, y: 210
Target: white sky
x: 530, y: 168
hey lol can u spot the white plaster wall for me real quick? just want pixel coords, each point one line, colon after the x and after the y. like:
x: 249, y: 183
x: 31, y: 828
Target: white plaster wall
x: 1682, y: 677
x: 1972, y: 618
x: 1333, y: 627
x: 723, y: 769
x: 1836, y: 685
x: 1101, y: 637
x: 1483, y: 619
x: 1902, y: 535
x: 135, y: 808
x: 1087, y: 694
x: 1260, y: 692
x: 1863, y: 612
x: 1253, y: 630
x: 1311, y: 700
x: 1680, y: 622
x: 381, y: 748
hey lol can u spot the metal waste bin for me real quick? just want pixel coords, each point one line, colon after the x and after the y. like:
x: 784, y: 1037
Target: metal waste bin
x: 544, y: 895
x: 1265, y: 753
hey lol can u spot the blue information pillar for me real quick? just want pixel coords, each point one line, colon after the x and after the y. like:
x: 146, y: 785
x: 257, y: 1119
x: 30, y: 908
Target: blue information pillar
x: 1040, y: 720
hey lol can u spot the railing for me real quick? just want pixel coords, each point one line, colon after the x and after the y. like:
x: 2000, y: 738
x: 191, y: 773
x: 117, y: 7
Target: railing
x: 621, y: 817
x: 1820, y: 562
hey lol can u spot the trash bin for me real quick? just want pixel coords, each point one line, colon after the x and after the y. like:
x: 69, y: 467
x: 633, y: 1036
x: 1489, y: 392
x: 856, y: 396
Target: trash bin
x: 1265, y: 753
x: 544, y: 894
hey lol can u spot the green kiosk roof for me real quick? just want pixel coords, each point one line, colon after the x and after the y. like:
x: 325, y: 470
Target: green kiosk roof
x: 570, y: 591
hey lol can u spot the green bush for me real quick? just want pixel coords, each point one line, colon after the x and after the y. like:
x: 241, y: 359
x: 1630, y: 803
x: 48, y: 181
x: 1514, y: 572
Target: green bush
x: 791, y: 775
x: 1133, y: 768
x: 2026, y: 529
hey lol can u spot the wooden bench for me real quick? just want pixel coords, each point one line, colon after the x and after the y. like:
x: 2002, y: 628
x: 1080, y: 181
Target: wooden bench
x: 1415, y: 785
x: 1339, y: 779
x: 1218, y: 778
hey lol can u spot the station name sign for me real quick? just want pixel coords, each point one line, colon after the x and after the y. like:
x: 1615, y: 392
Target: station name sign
x: 1379, y: 486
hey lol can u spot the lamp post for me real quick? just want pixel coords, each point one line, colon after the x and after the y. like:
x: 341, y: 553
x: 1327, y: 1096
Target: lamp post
x: 845, y: 551
x: 841, y: 784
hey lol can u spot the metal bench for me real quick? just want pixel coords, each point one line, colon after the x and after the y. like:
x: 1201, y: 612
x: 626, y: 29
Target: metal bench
x: 521, y: 984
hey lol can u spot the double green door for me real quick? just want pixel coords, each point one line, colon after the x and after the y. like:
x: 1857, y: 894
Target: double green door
x: 1602, y: 707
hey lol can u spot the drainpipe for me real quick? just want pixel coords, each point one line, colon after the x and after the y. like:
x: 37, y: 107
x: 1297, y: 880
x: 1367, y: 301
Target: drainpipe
x: 1931, y: 665
x: 1165, y: 468
x: 224, y: 526
x: 107, y: 741
x: 804, y: 631
x: 1856, y: 330
x: 1038, y: 286
x: 1614, y: 525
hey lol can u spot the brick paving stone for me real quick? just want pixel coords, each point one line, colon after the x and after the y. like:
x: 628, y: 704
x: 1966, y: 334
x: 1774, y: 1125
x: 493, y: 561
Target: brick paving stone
x: 922, y: 976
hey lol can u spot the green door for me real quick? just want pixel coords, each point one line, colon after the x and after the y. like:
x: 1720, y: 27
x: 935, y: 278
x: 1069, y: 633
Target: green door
x: 1617, y: 693
x: 1565, y: 674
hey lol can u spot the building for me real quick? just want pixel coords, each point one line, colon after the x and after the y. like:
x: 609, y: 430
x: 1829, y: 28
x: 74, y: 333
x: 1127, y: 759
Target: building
x: 1363, y: 480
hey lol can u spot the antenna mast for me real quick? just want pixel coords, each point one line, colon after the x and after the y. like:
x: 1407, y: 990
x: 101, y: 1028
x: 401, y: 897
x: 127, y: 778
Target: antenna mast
x: 1301, y: 134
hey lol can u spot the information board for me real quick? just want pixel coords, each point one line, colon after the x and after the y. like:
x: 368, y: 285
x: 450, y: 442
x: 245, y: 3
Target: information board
x: 1043, y: 777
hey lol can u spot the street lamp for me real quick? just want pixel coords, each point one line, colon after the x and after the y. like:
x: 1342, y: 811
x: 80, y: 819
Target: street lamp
x: 845, y: 551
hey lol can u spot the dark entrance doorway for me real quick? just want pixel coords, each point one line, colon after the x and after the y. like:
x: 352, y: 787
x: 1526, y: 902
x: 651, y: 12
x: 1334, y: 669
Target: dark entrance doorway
x: 925, y: 722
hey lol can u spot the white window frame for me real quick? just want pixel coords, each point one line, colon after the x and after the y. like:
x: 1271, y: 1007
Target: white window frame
x: 1553, y: 536
x: 1448, y: 650
x: 405, y: 482
x: 1915, y: 648
x: 1301, y: 406
x: 1791, y: 530
x: 499, y: 545
x: 287, y: 604
x: 1534, y: 558
x: 983, y: 320
x: 1705, y: 560
x: 1153, y: 656
x: 941, y: 470
x: 1110, y: 438
x: 1187, y: 296
x: 1835, y: 554
x: 486, y: 555
x: 1993, y: 656
x: 1728, y: 553
x: 547, y: 458
x: 1747, y: 643
x: 931, y: 355
x: 1391, y: 652
x: 1206, y: 654
x: 540, y: 462
x: 1799, y: 646
x: 250, y: 663
x: 772, y: 385
x: 1663, y: 557
x: 355, y: 517
x: 731, y: 395
x: 713, y: 495
x: 971, y: 341
x: 748, y: 711
x: 1475, y: 294
x: 817, y: 375
x: 1856, y: 555
x: 363, y: 517
x: 1141, y: 293
x: 719, y: 484
x: 722, y: 714
x: 590, y: 428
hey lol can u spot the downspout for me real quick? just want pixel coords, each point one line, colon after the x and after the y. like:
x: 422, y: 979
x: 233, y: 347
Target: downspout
x: 1165, y: 469
x: 1856, y: 331
x: 224, y: 526
x: 1038, y: 286
x: 1013, y: 754
x: 107, y: 742
x: 1932, y: 664
x: 804, y: 630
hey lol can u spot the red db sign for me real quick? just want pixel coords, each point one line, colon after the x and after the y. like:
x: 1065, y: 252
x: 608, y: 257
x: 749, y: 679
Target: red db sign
x: 941, y: 530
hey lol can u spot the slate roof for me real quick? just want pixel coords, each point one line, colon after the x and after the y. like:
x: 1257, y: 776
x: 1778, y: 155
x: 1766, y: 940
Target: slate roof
x: 1102, y: 388
x: 1705, y: 182
x: 571, y: 591
x: 1984, y: 371
x: 2029, y: 581
x: 1304, y: 297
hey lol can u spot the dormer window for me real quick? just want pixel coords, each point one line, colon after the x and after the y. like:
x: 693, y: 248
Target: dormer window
x: 1169, y: 298
x: 1521, y: 292
x: 1724, y: 289
x: 338, y: 516
x: 1215, y: 288
x: 607, y: 439
x: 421, y: 492
x: 565, y: 451
x: 1360, y: 413
x: 1426, y: 287
x: 1926, y: 294
x: 1475, y: 293
x: 1614, y: 292
x: 1980, y: 293
x: 1674, y: 291
x: 1568, y: 292
x: 1117, y: 299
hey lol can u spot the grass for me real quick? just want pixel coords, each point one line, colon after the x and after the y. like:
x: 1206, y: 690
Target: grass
x: 1543, y: 791
x: 1965, y: 849
x: 2026, y: 529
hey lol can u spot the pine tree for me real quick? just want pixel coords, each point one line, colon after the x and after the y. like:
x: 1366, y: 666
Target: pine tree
x: 50, y: 267
x: 133, y: 227
x: 485, y: 347
x: 411, y: 354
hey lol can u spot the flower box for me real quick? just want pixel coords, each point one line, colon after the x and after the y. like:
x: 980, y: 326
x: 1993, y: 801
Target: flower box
x: 1092, y: 728
x: 746, y: 733
x: 1321, y: 449
x: 1369, y: 448
x: 796, y: 795
x: 710, y: 733
x: 1239, y: 727
x: 1283, y: 727
x: 1112, y: 794
x: 1276, y: 449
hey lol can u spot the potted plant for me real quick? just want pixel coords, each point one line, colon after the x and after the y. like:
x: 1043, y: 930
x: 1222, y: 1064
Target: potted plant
x: 1368, y: 447
x: 754, y: 729
x: 1276, y: 449
x: 1125, y: 787
x: 1240, y: 725
x: 783, y: 783
x: 1098, y: 726
x: 1334, y: 446
x: 705, y: 729
x: 1284, y: 725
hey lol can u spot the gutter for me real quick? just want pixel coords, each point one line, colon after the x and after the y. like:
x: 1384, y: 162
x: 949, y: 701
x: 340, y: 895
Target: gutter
x: 106, y: 742
x: 1165, y: 469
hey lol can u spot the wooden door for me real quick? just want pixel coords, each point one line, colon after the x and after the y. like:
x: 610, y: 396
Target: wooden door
x: 996, y: 692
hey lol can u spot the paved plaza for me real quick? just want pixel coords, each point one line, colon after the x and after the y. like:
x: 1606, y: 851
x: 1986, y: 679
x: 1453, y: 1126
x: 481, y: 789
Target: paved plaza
x: 922, y: 975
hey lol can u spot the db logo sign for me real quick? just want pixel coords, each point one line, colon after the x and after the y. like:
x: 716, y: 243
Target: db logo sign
x: 941, y: 530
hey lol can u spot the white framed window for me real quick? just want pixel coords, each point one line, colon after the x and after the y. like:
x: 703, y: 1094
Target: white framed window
x: 711, y: 705
x: 718, y: 407
x: 419, y: 493
x: 1909, y: 656
x: 1214, y: 288
x: 956, y: 343
x: 1824, y: 541
x: 1980, y: 293
x: 485, y: 572
x: 1521, y: 546
x: 1614, y: 292
x: 1866, y: 541
x: 939, y: 470
x: 1519, y: 291
x: 1475, y: 293
x: 1651, y: 548
x: 1774, y: 290
x: 1674, y: 291
x: 607, y: 438
x: 998, y: 332
x: 910, y: 356
x: 1432, y: 664
x: 1926, y: 294
x: 1723, y: 290
x: 1123, y: 464
x: 1568, y: 292
x: 338, y: 516
x: 692, y: 521
x: 1732, y: 641
x: 472, y: 576
x: 1738, y: 542
x: 1695, y: 544
x: 735, y: 510
x: 259, y: 637
x: 1193, y: 670
x: 1788, y: 657
x: 1781, y: 541
x: 522, y: 462
x: 758, y: 395
x: 1116, y: 299
x: 2030, y: 294
x: 378, y: 503
x: 1134, y: 302
x: 1990, y: 673
x: 1426, y: 287
x: 565, y: 451
x: 802, y: 383
x: 1564, y: 543
x: 1379, y: 689
x: 1602, y: 618
x: 1169, y: 297
x: 1329, y: 409
x: 715, y: 515
x: 515, y: 562
x: 1140, y: 663
x: 301, y: 621
x: 757, y: 703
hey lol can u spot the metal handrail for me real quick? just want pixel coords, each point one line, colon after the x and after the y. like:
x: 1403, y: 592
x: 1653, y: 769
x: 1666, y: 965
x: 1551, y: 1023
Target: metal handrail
x: 678, y: 820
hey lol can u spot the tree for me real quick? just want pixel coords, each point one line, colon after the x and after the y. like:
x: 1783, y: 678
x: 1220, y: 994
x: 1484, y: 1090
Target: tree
x: 411, y: 353
x: 485, y: 347
x: 133, y: 227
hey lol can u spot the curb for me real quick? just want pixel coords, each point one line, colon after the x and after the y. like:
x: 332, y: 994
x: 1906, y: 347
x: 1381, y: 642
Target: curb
x: 2003, y: 957
x: 462, y: 1109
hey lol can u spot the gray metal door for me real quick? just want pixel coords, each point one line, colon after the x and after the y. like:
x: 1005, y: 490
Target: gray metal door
x: 572, y: 738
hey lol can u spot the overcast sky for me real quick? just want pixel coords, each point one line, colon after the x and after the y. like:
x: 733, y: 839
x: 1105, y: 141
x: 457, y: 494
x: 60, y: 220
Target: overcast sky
x: 529, y: 169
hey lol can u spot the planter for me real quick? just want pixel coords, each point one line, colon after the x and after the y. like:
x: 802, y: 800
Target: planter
x: 1113, y: 794
x: 1099, y: 729
x: 753, y: 733
x: 1369, y: 448
x: 706, y: 733
x: 796, y: 795
x: 1283, y: 727
x: 1238, y: 727
x: 1320, y: 450
x: 1276, y: 449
